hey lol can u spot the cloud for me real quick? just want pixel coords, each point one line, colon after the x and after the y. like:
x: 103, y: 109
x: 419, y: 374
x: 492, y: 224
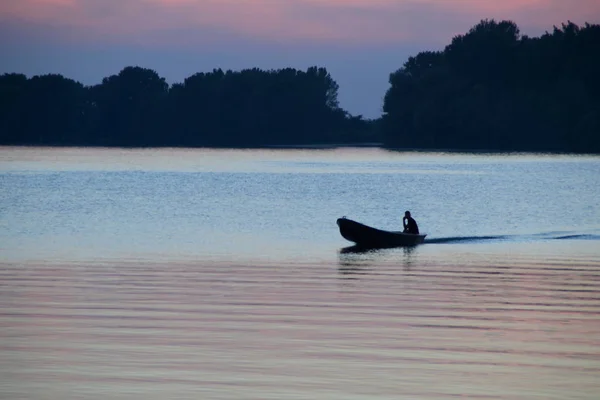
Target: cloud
x: 343, y: 22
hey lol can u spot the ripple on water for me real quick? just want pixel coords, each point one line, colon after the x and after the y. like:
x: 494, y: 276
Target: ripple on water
x: 361, y: 328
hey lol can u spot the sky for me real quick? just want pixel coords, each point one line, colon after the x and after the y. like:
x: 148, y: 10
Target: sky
x: 360, y: 42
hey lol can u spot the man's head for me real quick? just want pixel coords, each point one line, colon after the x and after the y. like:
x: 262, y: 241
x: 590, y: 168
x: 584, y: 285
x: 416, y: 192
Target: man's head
x: 407, y: 214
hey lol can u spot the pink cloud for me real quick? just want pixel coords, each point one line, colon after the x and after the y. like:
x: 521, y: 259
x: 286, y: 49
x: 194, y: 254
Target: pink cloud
x: 337, y: 21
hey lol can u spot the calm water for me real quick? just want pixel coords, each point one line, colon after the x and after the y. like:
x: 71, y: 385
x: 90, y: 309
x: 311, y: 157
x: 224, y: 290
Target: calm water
x: 153, y: 274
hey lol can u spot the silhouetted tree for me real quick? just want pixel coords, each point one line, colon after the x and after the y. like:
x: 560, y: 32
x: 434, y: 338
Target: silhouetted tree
x: 490, y: 88
x: 253, y: 107
x: 130, y: 108
x: 494, y: 89
x: 13, y: 90
x: 44, y: 110
x: 137, y: 107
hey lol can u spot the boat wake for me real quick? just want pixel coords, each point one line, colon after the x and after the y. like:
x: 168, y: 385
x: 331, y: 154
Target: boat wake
x: 578, y: 237
x: 515, y: 238
x: 462, y: 239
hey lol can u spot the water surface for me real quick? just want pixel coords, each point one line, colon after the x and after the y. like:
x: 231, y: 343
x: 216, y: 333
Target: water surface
x: 152, y: 274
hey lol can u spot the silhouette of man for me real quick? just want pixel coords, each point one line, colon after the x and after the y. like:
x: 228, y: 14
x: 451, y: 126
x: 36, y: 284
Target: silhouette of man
x: 410, y: 225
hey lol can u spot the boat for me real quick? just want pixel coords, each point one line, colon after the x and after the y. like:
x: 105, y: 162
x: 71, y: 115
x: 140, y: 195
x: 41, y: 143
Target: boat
x: 368, y: 237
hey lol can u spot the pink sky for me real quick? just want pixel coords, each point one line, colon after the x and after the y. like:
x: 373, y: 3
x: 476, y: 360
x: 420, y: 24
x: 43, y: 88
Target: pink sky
x: 295, y: 33
x: 338, y: 21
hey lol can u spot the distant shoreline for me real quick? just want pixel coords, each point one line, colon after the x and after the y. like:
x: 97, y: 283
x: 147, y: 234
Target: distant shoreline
x: 507, y: 99
x: 324, y: 145
x: 314, y: 146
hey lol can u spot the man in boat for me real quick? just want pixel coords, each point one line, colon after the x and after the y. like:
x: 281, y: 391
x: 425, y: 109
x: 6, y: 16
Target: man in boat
x: 410, y: 225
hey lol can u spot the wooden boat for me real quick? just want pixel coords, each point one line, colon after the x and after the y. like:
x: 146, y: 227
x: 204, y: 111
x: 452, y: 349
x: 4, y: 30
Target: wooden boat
x: 369, y: 237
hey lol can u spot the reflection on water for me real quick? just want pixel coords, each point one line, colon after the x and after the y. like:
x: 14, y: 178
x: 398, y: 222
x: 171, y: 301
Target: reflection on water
x: 356, y: 260
x: 400, y: 323
x: 205, y: 274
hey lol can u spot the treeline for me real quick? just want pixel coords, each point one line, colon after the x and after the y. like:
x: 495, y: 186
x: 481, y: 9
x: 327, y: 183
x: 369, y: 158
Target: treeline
x: 495, y: 89
x: 489, y: 89
x: 137, y: 108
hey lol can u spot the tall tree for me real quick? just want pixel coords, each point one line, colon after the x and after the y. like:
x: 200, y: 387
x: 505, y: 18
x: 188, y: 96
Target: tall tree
x: 494, y: 89
x: 131, y: 108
